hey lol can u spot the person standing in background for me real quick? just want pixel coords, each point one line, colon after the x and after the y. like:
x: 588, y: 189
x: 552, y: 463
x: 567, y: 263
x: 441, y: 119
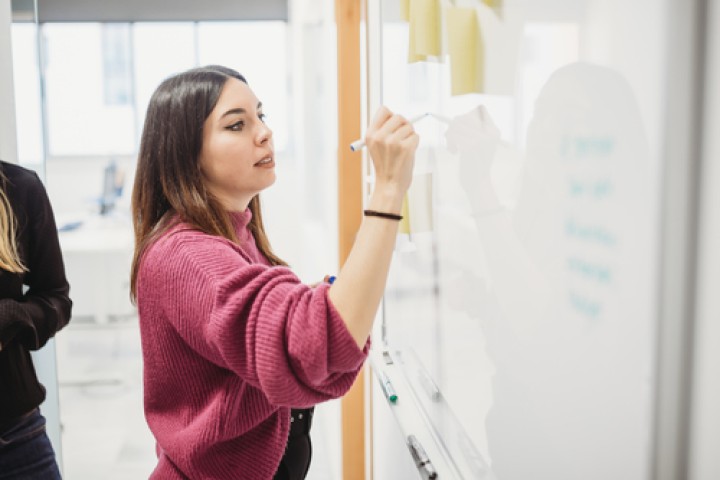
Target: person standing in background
x: 30, y: 257
x: 236, y: 350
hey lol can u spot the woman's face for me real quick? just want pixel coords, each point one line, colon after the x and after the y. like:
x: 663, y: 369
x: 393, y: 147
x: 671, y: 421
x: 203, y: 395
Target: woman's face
x: 237, y: 158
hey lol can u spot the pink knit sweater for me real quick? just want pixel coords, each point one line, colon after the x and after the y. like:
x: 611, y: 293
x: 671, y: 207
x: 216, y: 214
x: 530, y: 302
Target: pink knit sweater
x: 229, y: 345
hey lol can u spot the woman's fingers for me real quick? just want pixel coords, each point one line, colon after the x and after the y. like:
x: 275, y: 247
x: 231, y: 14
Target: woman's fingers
x: 393, y: 123
x: 385, y: 123
x: 404, y: 131
x: 411, y: 141
x: 380, y: 118
x: 396, y: 126
x: 393, y: 129
x: 392, y: 142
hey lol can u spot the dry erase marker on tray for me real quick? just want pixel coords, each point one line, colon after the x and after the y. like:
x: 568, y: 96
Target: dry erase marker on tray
x: 388, y: 388
x: 359, y: 144
x: 422, y: 461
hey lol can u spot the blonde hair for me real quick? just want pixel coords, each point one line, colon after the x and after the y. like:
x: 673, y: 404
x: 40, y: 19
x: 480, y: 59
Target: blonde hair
x: 9, y: 257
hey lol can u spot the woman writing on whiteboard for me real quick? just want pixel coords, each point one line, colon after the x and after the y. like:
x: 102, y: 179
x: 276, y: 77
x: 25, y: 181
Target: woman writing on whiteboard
x: 232, y: 340
x: 34, y: 305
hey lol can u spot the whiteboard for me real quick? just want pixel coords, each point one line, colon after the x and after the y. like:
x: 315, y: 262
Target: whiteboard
x: 521, y: 301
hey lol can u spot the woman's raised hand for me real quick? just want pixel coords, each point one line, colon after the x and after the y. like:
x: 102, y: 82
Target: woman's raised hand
x: 391, y: 141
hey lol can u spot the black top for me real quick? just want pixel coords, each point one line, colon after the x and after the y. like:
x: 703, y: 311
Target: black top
x: 29, y: 319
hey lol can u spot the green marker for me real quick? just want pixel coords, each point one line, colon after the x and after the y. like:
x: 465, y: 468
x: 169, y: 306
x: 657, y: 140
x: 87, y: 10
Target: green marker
x: 388, y: 388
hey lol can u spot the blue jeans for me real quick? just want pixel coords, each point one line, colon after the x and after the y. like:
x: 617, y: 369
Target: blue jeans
x: 25, y: 451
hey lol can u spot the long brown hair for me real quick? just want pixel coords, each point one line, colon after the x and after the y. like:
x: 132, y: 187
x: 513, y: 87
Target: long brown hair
x: 9, y: 257
x: 168, y: 182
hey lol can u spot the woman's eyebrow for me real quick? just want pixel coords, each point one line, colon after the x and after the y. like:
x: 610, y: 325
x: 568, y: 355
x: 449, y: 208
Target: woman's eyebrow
x: 233, y: 111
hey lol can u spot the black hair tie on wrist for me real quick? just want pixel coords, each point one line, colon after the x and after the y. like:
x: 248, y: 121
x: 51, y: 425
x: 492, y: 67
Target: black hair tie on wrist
x: 389, y: 216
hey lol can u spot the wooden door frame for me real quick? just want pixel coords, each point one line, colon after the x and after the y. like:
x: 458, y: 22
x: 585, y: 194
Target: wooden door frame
x: 348, y: 14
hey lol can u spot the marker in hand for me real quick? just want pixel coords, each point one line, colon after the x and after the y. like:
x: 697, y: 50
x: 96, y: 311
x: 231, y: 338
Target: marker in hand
x: 359, y: 144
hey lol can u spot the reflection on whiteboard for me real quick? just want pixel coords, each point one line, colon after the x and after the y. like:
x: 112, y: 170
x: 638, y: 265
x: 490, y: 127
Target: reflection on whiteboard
x: 529, y: 302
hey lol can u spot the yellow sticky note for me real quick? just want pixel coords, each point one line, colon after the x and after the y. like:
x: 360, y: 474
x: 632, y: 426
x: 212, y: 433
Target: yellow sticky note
x: 405, y: 212
x: 424, y: 29
x: 496, y: 5
x: 413, y: 55
x: 466, y: 50
x: 405, y: 10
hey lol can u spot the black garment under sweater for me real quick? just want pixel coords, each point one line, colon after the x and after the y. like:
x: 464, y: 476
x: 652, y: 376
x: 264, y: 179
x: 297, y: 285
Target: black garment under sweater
x: 29, y: 319
x: 295, y: 462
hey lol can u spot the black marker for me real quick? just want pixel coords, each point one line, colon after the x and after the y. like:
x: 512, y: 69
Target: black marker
x: 421, y: 459
x: 430, y: 471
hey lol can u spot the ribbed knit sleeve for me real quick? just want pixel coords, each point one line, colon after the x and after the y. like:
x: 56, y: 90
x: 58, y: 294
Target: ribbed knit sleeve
x: 279, y: 335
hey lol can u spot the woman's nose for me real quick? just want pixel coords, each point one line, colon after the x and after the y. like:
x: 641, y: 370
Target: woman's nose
x: 264, y: 133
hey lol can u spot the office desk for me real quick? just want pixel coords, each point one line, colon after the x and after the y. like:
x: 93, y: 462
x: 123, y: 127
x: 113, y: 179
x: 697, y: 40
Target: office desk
x: 97, y: 255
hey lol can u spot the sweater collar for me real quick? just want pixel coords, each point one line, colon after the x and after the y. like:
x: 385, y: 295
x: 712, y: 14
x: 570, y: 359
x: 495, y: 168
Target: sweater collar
x: 241, y: 219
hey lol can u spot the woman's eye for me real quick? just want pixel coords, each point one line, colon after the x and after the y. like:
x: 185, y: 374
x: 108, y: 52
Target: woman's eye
x: 237, y: 126
x: 262, y: 117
